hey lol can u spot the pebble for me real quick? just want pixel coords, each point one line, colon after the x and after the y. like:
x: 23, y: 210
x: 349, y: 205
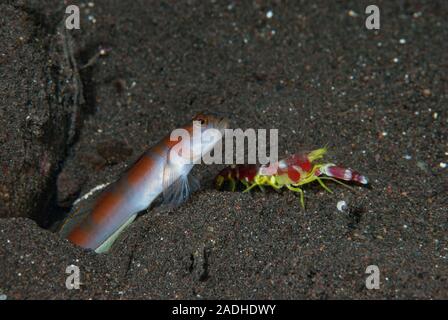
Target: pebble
x: 342, y: 206
x: 421, y: 165
x: 352, y: 13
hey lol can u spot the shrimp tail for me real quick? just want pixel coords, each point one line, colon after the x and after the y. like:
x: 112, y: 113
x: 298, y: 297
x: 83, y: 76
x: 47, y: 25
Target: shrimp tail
x: 347, y: 174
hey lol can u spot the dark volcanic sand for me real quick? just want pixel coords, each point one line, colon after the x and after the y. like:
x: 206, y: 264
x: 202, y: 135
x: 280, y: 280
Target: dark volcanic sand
x: 322, y: 77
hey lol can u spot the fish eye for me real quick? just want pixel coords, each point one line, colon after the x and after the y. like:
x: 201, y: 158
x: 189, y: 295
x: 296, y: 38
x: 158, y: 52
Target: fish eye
x: 201, y: 120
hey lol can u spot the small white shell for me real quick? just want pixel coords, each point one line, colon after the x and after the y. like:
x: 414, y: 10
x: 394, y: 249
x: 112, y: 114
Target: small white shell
x: 342, y: 206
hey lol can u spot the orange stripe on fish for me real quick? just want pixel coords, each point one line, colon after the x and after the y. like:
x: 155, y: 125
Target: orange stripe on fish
x: 106, y: 204
x: 81, y: 234
x: 137, y: 172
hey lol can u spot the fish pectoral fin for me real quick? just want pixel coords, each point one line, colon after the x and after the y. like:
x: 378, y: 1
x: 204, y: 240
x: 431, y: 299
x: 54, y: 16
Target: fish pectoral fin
x: 178, y: 191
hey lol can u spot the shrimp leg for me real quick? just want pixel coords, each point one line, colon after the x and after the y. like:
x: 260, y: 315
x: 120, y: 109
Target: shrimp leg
x: 300, y: 191
x: 323, y: 185
x: 338, y: 181
x: 251, y: 187
x: 232, y: 185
